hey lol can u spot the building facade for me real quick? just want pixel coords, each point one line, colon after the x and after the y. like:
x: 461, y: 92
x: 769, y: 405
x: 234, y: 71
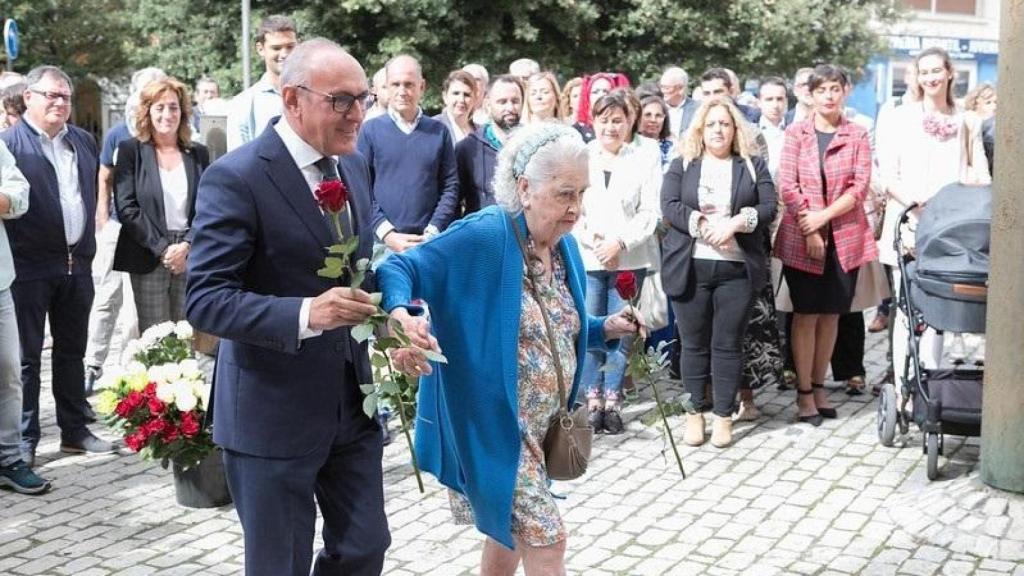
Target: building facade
x: 967, y: 29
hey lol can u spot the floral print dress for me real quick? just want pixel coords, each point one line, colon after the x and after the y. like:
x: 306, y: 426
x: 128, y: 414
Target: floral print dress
x: 535, y: 517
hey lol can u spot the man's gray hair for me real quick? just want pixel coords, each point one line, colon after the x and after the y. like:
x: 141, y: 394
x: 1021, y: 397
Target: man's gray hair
x: 145, y: 76
x: 537, y: 152
x: 678, y: 74
x: 297, y: 67
x: 36, y: 74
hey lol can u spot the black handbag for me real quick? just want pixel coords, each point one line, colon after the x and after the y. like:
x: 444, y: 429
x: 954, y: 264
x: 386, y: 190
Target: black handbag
x: 569, y: 438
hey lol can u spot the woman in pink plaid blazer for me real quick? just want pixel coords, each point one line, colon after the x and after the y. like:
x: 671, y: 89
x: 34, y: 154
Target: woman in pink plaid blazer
x: 824, y: 237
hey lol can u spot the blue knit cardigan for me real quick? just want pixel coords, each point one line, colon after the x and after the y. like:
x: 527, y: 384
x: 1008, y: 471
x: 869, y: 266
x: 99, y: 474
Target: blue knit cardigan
x: 467, y: 424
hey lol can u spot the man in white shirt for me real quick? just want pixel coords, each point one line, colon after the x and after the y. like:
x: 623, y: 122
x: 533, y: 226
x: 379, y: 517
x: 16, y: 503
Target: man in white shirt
x: 804, y: 101
x: 253, y: 109
x: 772, y: 96
x: 674, y: 83
x: 379, y: 94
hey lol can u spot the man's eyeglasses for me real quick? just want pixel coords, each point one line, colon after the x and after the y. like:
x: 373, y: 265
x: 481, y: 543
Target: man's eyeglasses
x: 341, y: 103
x: 52, y: 96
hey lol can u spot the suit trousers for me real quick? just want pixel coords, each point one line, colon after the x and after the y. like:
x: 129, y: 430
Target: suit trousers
x: 712, y: 322
x: 274, y: 498
x: 159, y: 295
x: 10, y: 382
x: 67, y: 300
x: 109, y: 301
x: 848, y: 354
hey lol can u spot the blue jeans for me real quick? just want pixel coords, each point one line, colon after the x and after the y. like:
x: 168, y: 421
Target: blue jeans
x: 602, y: 300
x: 10, y: 382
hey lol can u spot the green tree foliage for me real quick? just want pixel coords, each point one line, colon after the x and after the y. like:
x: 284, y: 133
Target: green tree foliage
x: 638, y: 37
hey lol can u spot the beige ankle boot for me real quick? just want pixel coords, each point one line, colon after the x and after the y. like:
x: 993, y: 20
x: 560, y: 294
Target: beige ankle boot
x: 694, y: 433
x: 721, y: 432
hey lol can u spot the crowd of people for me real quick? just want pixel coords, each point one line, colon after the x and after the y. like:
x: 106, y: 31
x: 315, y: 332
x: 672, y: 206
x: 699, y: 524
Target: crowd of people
x: 759, y: 234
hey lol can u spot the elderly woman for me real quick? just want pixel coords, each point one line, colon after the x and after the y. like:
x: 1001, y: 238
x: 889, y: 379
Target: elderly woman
x: 718, y: 199
x: 542, y: 99
x: 155, y: 181
x: 824, y: 238
x: 483, y: 416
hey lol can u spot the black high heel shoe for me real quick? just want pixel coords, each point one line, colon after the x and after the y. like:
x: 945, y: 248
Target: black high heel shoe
x: 812, y: 419
x: 825, y: 412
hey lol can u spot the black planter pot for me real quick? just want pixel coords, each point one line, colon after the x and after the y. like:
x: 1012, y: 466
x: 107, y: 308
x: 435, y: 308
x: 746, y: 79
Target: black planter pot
x: 203, y: 486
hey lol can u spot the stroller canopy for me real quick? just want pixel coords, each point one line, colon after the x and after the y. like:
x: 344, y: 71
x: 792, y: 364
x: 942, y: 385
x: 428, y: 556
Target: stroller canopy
x: 953, y: 235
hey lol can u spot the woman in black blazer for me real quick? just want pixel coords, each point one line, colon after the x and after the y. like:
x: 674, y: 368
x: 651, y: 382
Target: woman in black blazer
x: 718, y: 200
x: 155, y: 179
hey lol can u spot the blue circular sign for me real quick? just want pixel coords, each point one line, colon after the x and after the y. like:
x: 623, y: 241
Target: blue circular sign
x: 11, y: 41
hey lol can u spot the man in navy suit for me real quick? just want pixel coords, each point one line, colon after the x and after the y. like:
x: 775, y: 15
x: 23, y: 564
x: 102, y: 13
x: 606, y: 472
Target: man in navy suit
x: 288, y: 409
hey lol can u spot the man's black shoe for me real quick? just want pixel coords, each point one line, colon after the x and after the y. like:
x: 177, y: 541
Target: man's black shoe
x: 87, y: 444
x: 89, y: 413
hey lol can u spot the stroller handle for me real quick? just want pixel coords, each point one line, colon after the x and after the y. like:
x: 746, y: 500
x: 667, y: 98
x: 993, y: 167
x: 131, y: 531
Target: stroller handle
x: 905, y: 215
x: 897, y: 240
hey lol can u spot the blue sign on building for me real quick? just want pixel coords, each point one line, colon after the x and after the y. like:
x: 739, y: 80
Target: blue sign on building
x: 12, y: 43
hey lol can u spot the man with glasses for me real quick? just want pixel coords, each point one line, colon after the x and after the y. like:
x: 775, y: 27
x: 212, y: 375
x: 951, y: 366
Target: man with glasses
x: 53, y: 246
x: 804, y: 100
x: 252, y: 110
x: 288, y: 408
x: 673, y: 85
x: 412, y: 163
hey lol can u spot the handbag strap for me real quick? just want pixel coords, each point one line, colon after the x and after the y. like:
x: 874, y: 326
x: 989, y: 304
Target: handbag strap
x: 547, y: 321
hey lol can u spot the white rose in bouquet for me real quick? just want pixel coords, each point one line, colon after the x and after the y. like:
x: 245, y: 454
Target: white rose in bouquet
x: 202, y: 390
x: 165, y: 392
x: 157, y: 332
x: 184, y: 398
x: 190, y: 369
x: 110, y: 376
x: 135, y: 368
x: 132, y: 348
x: 183, y: 330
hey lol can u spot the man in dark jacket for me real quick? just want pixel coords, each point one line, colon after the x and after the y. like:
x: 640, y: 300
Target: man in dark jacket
x: 53, y: 246
x: 476, y: 155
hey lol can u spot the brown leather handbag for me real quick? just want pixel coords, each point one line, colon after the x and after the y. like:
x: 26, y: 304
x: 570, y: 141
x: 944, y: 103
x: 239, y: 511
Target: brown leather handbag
x: 570, y: 437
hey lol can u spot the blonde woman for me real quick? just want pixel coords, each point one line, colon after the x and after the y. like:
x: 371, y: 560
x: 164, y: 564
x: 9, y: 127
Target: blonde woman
x: 542, y: 98
x: 569, y: 101
x: 718, y: 200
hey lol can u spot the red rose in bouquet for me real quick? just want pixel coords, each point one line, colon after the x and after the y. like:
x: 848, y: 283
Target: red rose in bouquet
x: 331, y: 195
x: 135, y: 441
x: 189, y: 425
x: 156, y: 407
x: 170, y: 434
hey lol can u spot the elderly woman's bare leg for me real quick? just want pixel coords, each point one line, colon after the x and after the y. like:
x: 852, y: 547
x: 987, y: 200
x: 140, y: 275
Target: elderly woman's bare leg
x: 498, y: 560
x: 543, y: 560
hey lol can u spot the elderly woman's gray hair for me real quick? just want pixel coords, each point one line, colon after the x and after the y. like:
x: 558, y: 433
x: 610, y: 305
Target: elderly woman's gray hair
x: 537, y: 152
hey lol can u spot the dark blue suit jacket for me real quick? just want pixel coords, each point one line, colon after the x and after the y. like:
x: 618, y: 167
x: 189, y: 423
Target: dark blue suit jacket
x: 38, y: 243
x: 259, y: 240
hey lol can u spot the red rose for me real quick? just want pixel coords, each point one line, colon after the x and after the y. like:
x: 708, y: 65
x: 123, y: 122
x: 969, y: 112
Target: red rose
x: 189, y: 425
x: 156, y: 407
x: 154, y: 427
x: 150, y: 390
x: 135, y: 441
x: 129, y: 404
x: 625, y: 285
x: 123, y: 408
x: 331, y: 195
x: 170, y: 435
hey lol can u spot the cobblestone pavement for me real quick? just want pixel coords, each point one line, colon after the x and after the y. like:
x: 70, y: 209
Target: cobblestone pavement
x: 784, y: 499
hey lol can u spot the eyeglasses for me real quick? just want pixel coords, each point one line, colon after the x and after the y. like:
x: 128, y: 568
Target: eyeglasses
x: 52, y: 96
x: 342, y: 103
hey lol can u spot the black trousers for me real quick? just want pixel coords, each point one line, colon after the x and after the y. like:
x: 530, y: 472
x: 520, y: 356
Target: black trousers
x: 712, y: 320
x: 274, y: 498
x: 67, y: 300
x: 848, y: 354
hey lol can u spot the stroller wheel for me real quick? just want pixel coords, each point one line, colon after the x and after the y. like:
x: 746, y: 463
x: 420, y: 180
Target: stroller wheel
x: 931, y: 449
x: 886, y: 416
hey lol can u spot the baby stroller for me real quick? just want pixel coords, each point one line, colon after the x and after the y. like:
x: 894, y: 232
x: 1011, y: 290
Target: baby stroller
x: 945, y: 287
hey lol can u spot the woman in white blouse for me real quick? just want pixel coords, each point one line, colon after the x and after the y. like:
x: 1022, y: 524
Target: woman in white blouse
x: 615, y: 233
x: 925, y: 157
x: 155, y: 180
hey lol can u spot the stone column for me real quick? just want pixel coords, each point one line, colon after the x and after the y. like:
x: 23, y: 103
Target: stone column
x: 1002, y: 432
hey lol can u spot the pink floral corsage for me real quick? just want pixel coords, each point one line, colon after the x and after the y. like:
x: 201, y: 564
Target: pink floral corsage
x: 940, y: 126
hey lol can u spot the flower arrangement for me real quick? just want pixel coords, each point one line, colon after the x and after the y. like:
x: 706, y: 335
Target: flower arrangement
x: 390, y: 387
x: 652, y: 367
x: 158, y: 400
x: 940, y: 126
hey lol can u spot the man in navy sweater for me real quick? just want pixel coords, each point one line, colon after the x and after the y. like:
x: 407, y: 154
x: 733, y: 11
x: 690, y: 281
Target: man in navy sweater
x: 412, y: 163
x: 53, y: 245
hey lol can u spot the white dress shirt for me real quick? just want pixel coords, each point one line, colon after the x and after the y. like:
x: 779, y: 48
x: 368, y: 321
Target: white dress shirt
x: 61, y: 155
x: 251, y: 111
x: 675, y: 117
x: 774, y: 137
x: 305, y: 157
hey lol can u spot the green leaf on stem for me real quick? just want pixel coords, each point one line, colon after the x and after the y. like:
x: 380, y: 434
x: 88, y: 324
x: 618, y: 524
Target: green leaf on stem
x: 332, y: 268
x: 362, y: 332
x: 378, y: 360
x: 367, y: 388
x: 434, y: 356
x: 370, y: 405
x: 375, y: 298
